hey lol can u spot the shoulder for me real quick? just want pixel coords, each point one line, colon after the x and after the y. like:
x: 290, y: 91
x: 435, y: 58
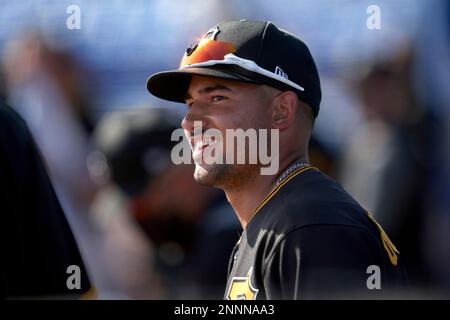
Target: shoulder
x: 311, y: 198
x: 331, y: 245
x: 315, y: 212
x: 13, y: 129
x: 329, y: 261
x: 20, y: 157
x: 10, y: 118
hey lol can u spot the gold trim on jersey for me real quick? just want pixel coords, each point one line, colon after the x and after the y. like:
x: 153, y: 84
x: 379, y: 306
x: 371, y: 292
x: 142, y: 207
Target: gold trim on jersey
x: 278, y: 187
x: 91, y: 294
x: 387, y: 243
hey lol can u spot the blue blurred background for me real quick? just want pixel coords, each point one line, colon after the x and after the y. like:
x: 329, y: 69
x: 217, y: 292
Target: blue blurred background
x: 122, y: 43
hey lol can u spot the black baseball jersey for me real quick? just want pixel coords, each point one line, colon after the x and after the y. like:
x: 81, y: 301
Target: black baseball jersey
x: 36, y: 242
x: 309, y: 239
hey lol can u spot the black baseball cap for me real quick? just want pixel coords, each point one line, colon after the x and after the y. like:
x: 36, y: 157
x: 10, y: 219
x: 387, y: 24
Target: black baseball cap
x: 249, y: 51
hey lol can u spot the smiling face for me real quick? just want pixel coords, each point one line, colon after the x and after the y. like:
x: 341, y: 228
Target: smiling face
x: 223, y: 104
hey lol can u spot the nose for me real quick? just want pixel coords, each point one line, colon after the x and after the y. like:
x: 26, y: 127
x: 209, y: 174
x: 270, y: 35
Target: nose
x: 193, y: 114
x: 187, y: 123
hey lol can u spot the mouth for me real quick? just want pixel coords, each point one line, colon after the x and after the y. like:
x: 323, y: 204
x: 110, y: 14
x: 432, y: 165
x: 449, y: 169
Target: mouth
x: 198, y: 146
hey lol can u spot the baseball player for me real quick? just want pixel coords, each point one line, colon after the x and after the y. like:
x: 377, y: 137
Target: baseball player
x: 303, y: 236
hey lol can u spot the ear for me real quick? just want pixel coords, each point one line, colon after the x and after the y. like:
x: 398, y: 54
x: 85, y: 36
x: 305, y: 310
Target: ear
x: 284, y: 110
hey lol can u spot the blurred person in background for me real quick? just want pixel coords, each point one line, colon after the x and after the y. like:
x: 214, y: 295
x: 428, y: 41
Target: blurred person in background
x: 190, y: 227
x: 37, y: 243
x: 322, y: 157
x: 433, y: 65
x: 48, y: 88
x: 389, y: 161
x: 45, y: 85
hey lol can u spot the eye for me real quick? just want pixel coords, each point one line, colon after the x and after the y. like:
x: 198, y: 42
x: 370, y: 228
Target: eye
x: 218, y: 98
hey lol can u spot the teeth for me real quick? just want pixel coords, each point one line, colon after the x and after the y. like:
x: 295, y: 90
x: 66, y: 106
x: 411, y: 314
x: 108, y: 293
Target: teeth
x: 199, y: 143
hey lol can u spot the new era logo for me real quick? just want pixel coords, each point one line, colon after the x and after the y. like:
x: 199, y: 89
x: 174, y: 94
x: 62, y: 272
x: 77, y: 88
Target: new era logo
x: 280, y: 72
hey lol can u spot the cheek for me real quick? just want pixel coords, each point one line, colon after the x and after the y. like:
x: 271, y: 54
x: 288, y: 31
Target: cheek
x: 247, y: 115
x: 241, y: 114
x: 252, y: 116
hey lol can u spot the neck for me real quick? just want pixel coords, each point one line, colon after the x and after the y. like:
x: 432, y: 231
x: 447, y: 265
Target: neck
x: 246, y: 199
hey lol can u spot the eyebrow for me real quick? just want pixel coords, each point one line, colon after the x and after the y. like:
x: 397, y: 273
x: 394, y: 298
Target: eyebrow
x: 208, y: 89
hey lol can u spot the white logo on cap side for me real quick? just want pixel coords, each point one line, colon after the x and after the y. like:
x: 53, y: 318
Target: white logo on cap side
x: 248, y: 65
x: 280, y: 71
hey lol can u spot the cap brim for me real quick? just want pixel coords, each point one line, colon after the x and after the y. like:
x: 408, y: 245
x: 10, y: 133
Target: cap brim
x: 173, y: 85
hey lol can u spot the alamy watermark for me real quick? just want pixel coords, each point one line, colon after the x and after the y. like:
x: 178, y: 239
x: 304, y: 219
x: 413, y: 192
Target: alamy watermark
x: 237, y: 146
x: 374, y: 19
x: 374, y: 280
x: 73, y: 21
x: 74, y: 279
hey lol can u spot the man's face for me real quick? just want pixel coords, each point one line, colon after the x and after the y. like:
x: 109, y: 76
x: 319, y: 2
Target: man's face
x: 223, y: 104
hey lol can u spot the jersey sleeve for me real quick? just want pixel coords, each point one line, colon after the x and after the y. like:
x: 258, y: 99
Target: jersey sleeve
x: 323, y: 262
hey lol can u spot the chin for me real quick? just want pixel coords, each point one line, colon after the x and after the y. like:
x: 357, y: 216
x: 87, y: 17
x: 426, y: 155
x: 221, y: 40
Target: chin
x: 210, y: 175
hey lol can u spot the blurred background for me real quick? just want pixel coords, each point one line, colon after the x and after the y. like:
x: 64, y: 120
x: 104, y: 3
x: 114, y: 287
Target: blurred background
x: 144, y: 227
